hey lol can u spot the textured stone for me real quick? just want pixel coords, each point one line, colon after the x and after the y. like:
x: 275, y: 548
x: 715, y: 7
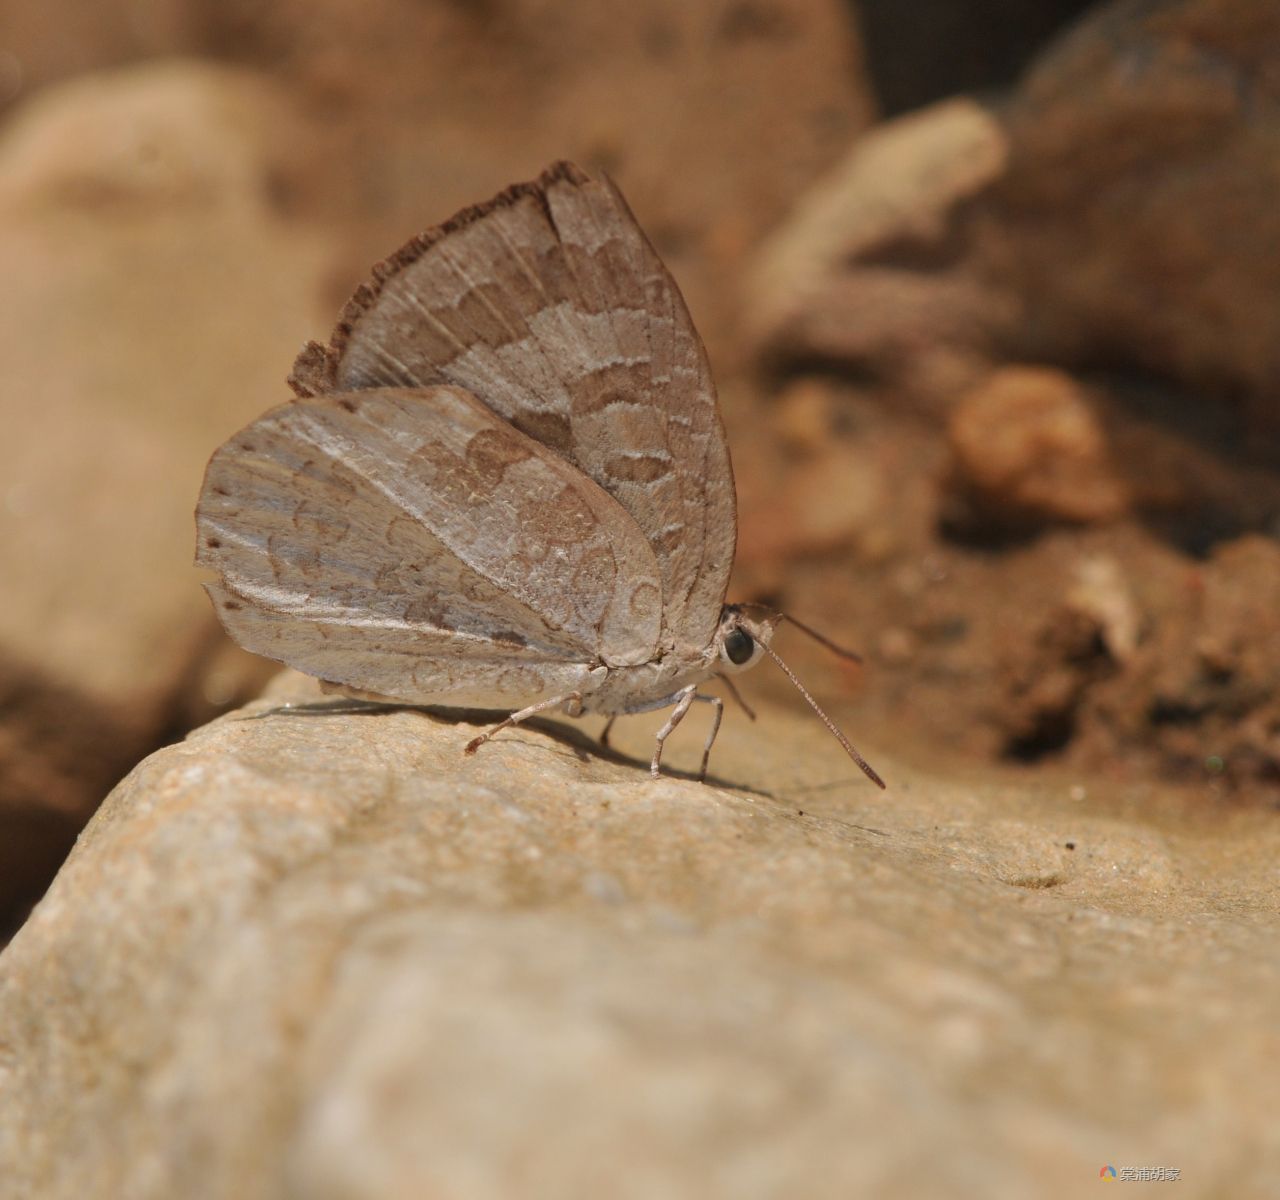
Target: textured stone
x: 1124, y: 661
x: 1213, y: 678
x: 328, y: 956
x: 156, y: 298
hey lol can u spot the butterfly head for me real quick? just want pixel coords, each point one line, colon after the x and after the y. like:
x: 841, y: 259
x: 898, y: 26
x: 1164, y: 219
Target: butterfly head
x: 743, y: 639
x: 745, y: 630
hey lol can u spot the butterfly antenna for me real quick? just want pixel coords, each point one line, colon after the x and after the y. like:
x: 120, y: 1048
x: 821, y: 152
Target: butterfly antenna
x: 823, y: 640
x: 867, y: 769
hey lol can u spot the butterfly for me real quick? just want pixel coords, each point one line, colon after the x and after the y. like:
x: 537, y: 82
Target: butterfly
x: 504, y: 483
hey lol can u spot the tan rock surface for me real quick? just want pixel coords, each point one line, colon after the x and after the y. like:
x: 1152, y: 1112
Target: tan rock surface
x: 156, y: 299
x: 326, y: 956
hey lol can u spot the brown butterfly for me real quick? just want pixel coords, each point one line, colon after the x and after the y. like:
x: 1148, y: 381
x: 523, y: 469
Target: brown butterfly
x: 504, y: 483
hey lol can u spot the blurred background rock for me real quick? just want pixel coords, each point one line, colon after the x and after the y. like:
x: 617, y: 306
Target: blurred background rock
x: 989, y: 290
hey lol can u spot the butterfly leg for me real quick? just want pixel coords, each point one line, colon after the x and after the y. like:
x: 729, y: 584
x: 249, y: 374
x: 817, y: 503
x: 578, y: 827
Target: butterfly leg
x: 718, y: 705
x: 604, y: 733
x: 683, y: 700
x: 572, y: 702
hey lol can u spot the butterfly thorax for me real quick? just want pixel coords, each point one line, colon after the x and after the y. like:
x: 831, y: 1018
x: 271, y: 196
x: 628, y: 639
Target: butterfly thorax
x: 735, y: 646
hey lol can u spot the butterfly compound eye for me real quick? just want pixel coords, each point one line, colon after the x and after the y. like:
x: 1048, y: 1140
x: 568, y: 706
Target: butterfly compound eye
x: 739, y: 646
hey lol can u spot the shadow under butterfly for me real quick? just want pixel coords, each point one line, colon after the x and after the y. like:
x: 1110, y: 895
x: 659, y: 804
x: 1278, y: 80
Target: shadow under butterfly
x: 504, y: 482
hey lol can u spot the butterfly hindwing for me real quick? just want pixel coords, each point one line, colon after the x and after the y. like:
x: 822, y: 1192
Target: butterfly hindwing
x: 358, y: 532
x: 400, y: 660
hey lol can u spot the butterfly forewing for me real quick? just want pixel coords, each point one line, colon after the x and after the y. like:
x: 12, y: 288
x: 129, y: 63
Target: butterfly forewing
x: 551, y: 307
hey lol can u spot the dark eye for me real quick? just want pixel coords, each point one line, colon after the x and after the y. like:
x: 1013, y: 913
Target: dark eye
x: 738, y: 646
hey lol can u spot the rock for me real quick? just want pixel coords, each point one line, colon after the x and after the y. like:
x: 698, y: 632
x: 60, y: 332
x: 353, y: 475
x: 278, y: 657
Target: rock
x: 1047, y: 684
x: 1120, y: 661
x: 680, y: 102
x: 157, y: 301
x: 1117, y: 207
x: 1084, y: 645
x: 1137, y: 217
x: 329, y: 956
x: 1102, y: 594
x: 1211, y: 676
x: 867, y: 268
x: 1034, y: 446
x: 1028, y: 447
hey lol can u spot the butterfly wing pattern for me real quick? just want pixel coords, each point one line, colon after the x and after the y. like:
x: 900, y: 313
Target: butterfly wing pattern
x: 549, y: 304
x: 503, y: 482
x: 410, y: 543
